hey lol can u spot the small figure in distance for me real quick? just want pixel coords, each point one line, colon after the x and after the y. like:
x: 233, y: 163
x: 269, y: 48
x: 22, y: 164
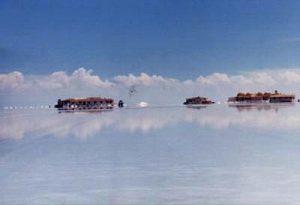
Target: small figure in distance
x: 121, y: 104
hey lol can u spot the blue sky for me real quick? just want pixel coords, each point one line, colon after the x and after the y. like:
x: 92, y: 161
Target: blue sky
x: 180, y: 39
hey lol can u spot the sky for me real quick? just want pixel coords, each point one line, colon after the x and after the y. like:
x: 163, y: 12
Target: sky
x: 179, y: 40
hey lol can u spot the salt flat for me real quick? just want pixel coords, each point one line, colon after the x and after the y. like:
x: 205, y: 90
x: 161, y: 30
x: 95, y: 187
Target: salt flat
x: 176, y: 155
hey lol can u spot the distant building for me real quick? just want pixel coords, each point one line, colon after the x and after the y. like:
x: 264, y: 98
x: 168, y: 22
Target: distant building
x: 259, y: 97
x: 198, y: 101
x: 282, y: 98
x: 90, y: 103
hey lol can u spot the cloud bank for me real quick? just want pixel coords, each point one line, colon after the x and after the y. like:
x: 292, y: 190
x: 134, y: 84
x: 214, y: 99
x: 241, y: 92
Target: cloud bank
x: 154, y: 88
x: 16, y: 81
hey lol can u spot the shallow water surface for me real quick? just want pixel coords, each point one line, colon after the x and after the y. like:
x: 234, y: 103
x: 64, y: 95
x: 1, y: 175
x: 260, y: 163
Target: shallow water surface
x: 177, y: 155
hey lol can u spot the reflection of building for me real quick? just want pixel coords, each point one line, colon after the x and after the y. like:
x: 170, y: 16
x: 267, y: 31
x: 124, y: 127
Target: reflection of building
x: 262, y: 98
x: 91, y: 103
x: 146, y: 120
x: 260, y: 107
x: 198, y: 101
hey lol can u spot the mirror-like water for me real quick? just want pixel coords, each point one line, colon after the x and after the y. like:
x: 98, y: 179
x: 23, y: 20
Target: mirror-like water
x: 213, y: 155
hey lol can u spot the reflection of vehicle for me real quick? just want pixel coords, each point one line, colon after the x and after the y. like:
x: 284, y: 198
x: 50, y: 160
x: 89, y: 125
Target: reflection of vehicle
x: 197, y: 101
x: 250, y: 98
x: 91, y: 103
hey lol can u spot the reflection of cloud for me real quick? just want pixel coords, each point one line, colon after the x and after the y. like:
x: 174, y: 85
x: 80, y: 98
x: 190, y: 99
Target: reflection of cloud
x: 83, y: 125
x: 80, y: 125
x: 275, y: 117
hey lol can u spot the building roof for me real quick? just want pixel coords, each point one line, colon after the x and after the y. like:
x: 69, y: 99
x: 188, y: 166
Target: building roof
x: 89, y: 99
x: 198, y: 97
x: 282, y: 95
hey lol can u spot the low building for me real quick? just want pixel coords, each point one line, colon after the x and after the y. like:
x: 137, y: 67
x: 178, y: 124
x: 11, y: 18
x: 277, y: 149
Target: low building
x: 260, y: 97
x: 197, y: 101
x: 90, y: 103
x: 282, y: 98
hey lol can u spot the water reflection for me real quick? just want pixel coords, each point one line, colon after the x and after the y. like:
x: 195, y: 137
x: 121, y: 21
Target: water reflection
x: 83, y: 125
x: 216, y: 155
x: 260, y: 107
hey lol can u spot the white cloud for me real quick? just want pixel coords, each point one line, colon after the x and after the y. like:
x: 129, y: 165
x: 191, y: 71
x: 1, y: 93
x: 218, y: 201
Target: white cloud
x: 262, y: 78
x: 80, y: 78
x: 55, y: 80
x: 84, y: 77
x: 265, y: 78
x: 12, y: 81
x: 143, y: 79
x: 289, y: 76
x: 154, y: 88
x: 214, y: 79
